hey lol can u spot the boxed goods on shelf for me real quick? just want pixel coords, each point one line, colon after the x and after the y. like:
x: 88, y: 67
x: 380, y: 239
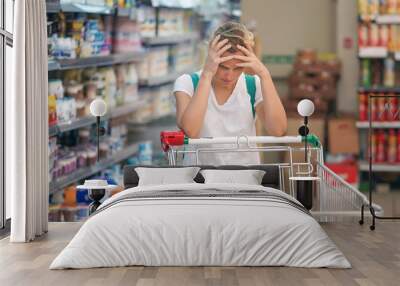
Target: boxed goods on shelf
x: 127, y: 82
x: 314, y: 77
x: 79, y: 35
x: 170, y: 22
x: 127, y: 36
x: 155, y: 63
x: 71, y: 100
x: 146, y: 17
x: 55, y: 90
x: 110, y: 86
x: 159, y: 103
x: 163, y: 103
x: 182, y: 57
x: 340, y: 128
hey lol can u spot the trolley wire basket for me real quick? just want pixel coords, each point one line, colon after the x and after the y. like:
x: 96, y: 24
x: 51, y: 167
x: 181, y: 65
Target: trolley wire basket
x: 334, y: 198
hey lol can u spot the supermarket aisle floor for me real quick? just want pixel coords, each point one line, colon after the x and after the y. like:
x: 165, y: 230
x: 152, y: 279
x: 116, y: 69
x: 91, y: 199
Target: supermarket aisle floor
x: 375, y: 257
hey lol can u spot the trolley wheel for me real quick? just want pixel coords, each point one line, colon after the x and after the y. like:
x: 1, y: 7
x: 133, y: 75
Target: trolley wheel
x: 361, y: 222
x: 372, y: 227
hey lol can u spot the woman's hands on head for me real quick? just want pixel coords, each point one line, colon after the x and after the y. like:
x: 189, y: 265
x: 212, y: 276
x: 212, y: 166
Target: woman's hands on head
x: 214, y: 57
x: 251, y: 62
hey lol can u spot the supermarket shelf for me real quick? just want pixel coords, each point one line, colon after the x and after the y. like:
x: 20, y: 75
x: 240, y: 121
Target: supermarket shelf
x: 379, y: 89
x: 170, y: 40
x: 86, y: 8
x: 53, y: 65
x: 373, y: 52
x: 364, y: 166
x: 89, y: 171
x: 387, y: 19
x: 96, y: 61
x: 169, y: 78
x: 376, y: 124
x: 89, y: 120
x: 53, y: 6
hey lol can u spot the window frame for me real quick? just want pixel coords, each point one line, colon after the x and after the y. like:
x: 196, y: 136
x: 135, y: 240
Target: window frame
x: 6, y: 39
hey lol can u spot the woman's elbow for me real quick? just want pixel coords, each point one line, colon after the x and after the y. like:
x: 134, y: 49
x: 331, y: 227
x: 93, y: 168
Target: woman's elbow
x: 279, y: 129
x: 189, y: 132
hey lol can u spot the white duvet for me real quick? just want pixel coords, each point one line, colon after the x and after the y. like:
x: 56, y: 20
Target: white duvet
x: 200, y: 231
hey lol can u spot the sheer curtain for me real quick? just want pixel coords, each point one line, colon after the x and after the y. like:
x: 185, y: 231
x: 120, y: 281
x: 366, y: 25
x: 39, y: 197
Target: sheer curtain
x: 26, y: 123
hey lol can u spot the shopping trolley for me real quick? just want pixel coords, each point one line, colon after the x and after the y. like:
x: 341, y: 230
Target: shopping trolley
x: 333, y: 198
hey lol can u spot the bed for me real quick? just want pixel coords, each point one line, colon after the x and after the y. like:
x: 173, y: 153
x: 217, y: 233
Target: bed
x: 199, y: 224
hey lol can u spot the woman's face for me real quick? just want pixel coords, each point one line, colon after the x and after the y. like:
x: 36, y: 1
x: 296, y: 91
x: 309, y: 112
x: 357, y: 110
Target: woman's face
x: 228, y: 73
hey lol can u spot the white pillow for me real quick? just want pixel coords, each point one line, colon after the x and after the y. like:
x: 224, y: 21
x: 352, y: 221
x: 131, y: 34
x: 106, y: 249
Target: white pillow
x: 249, y: 177
x: 165, y: 176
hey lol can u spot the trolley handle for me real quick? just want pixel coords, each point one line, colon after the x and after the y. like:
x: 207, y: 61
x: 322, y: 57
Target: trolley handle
x: 178, y: 138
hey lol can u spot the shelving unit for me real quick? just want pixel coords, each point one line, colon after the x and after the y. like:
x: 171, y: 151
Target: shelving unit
x: 170, y: 40
x: 97, y: 61
x: 56, y: 6
x: 375, y: 72
x: 376, y: 167
x: 377, y: 124
x: 373, y: 52
x: 362, y: 89
x: 89, y: 120
x: 152, y: 86
x: 387, y: 19
x: 83, y: 173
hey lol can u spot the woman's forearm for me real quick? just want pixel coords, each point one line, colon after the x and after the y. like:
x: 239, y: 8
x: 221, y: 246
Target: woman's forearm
x: 275, y: 121
x: 193, y: 117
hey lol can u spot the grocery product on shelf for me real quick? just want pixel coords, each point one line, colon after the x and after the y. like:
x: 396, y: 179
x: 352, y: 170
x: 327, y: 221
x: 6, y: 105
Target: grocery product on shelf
x: 110, y: 86
x: 79, y: 35
x: 127, y: 83
x: 182, y: 57
x: 155, y: 63
x: 369, y: 9
x: 71, y: 204
x: 315, y: 77
x: 70, y: 100
x: 125, y: 3
x: 379, y: 73
x: 385, y: 146
x: 147, y: 21
x: 171, y: 22
x: 382, y: 108
x: 126, y: 36
x: 159, y: 103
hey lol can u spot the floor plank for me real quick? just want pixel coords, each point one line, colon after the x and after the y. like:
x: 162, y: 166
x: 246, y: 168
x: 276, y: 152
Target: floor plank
x: 374, y: 255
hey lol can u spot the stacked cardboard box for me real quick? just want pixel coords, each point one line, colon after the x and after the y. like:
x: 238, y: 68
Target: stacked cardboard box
x: 314, y: 77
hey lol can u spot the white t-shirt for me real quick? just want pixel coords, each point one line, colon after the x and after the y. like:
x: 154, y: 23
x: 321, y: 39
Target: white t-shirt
x: 233, y: 118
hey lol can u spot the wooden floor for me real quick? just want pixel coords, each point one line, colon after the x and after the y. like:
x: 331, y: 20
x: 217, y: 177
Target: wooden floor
x: 375, y: 257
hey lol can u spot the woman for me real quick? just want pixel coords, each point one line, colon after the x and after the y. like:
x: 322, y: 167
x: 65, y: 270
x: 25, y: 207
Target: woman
x: 220, y: 100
